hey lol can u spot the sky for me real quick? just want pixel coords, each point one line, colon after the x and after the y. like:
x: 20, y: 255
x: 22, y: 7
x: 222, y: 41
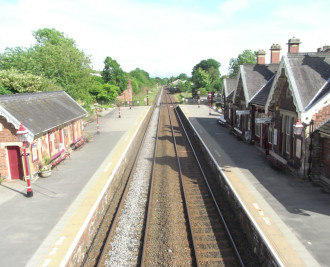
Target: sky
x: 168, y: 37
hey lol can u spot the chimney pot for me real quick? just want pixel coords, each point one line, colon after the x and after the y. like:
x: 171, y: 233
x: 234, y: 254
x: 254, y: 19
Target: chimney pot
x: 293, y: 45
x: 275, y: 53
x: 261, y: 56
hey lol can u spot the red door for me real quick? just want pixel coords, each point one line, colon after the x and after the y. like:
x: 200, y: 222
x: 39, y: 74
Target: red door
x: 15, y: 162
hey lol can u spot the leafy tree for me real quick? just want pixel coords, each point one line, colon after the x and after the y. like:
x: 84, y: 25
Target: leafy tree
x: 206, y: 75
x: 184, y: 86
x: 56, y: 57
x: 247, y: 56
x: 113, y: 74
x: 140, y: 79
x: 183, y: 77
x: 16, y: 82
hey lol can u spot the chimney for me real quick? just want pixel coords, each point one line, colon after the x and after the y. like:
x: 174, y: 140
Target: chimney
x: 326, y: 48
x: 261, y: 56
x: 293, y: 45
x: 275, y: 53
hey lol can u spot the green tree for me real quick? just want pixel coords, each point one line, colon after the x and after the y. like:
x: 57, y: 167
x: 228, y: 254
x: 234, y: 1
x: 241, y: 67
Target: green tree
x: 246, y: 57
x: 183, y: 77
x: 16, y: 82
x: 113, y: 74
x: 206, y: 75
x: 140, y: 79
x: 56, y: 57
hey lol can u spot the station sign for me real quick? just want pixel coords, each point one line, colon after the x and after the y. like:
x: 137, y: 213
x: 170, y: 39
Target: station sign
x: 243, y: 112
x: 263, y: 120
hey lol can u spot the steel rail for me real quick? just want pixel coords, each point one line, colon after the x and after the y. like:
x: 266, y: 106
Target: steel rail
x: 150, y: 192
x: 211, y: 193
x: 182, y: 187
x: 122, y: 198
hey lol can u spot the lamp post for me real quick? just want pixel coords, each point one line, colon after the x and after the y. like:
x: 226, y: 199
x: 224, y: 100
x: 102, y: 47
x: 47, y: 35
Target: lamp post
x: 147, y: 96
x: 210, y: 102
x: 199, y: 98
x: 22, y: 134
x: 119, y: 109
x: 97, y: 117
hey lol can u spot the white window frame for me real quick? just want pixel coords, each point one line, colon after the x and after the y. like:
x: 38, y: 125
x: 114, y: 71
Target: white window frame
x: 270, y: 134
x: 257, y: 126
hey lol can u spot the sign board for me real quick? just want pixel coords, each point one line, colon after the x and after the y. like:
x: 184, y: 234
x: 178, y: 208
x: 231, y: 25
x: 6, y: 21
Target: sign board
x: 243, y: 112
x: 263, y: 120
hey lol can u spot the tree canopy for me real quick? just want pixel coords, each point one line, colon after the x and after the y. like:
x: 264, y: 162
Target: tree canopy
x: 247, y: 56
x: 113, y: 74
x: 206, y: 75
x: 55, y: 57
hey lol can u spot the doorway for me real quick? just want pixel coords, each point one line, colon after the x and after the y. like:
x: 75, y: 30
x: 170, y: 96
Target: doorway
x: 15, y: 162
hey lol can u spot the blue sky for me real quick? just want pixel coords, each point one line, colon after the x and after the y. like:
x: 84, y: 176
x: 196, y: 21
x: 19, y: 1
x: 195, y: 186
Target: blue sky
x: 168, y: 37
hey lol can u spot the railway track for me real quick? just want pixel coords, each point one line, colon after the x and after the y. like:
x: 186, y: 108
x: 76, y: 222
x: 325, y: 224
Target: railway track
x: 211, y: 243
x: 168, y: 215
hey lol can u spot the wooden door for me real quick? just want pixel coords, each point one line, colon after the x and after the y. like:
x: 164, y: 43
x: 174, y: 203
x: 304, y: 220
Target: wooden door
x: 15, y: 162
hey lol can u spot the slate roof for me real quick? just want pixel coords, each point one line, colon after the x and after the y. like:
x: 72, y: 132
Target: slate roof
x: 255, y: 77
x: 229, y: 85
x: 311, y: 74
x: 40, y: 112
x: 261, y: 97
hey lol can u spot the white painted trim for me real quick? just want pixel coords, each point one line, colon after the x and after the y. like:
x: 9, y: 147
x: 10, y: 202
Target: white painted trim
x: 3, y: 145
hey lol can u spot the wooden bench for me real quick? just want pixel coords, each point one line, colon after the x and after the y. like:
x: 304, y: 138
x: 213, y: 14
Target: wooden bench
x: 277, y: 161
x: 59, y: 157
x: 78, y: 143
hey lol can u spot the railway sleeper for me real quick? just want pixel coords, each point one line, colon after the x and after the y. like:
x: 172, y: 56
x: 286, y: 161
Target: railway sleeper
x: 213, y: 228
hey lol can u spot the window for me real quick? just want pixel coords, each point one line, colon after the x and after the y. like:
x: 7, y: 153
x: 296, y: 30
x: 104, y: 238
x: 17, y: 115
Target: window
x: 287, y: 134
x: 257, y: 125
x: 270, y: 134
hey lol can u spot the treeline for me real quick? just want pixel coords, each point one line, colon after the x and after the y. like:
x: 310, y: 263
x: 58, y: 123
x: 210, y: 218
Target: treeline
x: 54, y: 62
x: 206, y: 77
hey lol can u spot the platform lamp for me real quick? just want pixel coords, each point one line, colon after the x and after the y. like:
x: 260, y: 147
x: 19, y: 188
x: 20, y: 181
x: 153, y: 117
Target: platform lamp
x: 199, y: 97
x: 210, y: 102
x: 97, y: 117
x: 147, y: 96
x: 22, y: 135
x: 298, y: 127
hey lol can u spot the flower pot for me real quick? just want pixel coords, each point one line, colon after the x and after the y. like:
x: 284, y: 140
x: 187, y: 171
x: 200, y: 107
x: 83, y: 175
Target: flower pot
x: 45, y: 174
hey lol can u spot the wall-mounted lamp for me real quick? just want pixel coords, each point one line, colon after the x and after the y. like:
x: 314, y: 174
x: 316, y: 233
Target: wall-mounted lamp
x: 298, y: 127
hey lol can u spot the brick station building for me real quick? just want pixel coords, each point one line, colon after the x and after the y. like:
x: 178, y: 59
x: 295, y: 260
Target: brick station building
x: 54, y: 123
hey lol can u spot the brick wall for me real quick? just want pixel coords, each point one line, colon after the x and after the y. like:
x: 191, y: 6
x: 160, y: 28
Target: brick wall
x: 321, y: 147
x: 321, y: 116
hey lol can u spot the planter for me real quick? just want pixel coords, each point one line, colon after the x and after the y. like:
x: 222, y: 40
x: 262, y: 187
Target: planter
x: 45, y: 174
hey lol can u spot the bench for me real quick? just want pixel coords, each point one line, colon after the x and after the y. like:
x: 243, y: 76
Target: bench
x: 222, y: 120
x: 277, y: 161
x: 237, y: 132
x: 59, y: 157
x: 78, y: 143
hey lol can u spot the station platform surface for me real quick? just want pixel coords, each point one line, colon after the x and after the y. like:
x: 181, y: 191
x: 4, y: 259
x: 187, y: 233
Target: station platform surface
x: 39, y: 231
x: 292, y: 213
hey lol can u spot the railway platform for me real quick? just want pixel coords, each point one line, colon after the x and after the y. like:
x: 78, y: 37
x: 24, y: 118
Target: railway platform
x: 41, y: 231
x: 292, y: 214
